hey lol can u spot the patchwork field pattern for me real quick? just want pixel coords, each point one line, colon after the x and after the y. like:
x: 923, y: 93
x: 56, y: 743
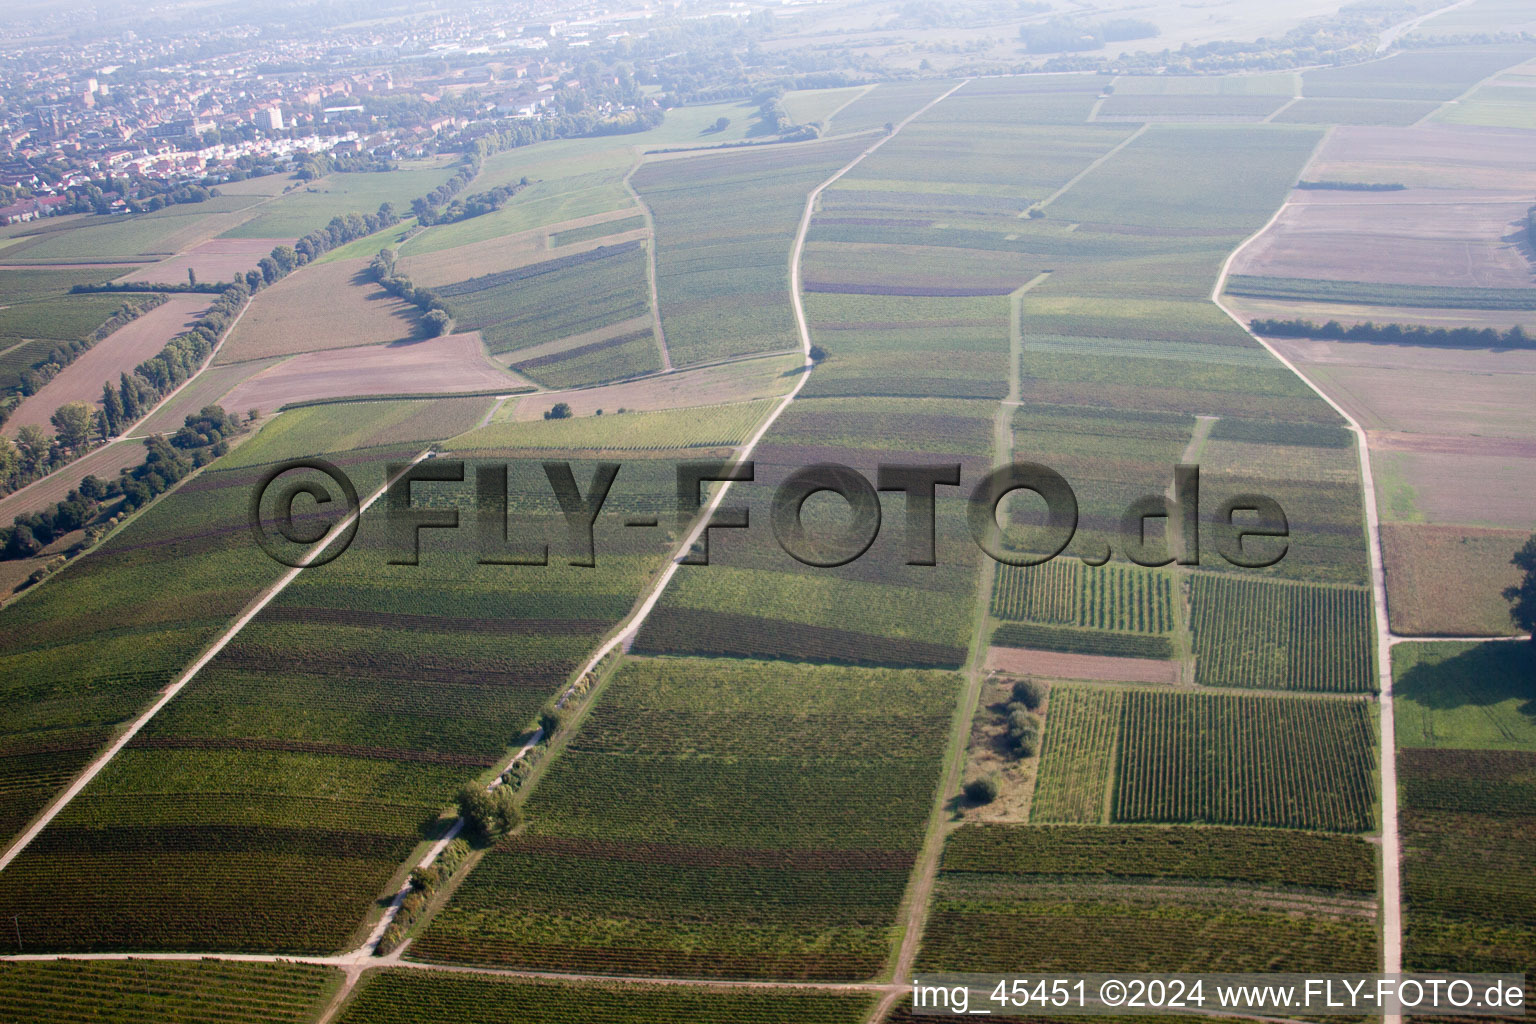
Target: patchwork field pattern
x: 724, y: 227
x: 1136, y: 898
x: 1467, y: 766
x: 667, y: 838
x: 269, y: 805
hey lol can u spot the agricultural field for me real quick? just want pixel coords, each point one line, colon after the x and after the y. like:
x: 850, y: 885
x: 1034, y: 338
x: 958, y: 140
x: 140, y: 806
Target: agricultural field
x: 1113, y: 597
x: 1464, y: 696
x: 137, y: 238
x: 24, y: 284
x: 331, y: 305
x: 448, y: 364
x: 217, y: 259
x: 1504, y: 101
x: 1155, y: 756
x: 1081, y: 641
x: 713, y: 426
x: 1449, y: 580
x: 817, y: 106
x: 886, y: 103
x: 1287, y: 636
x: 310, y: 205
x: 1370, y: 112
x: 543, y: 302
x: 741, y: 381
x: 84, y: 653
x: 630, y: 354
x: 31, y: 331
x: 149, y: 992
x: 1190, y: 106
x: 118, y: 353
x: 1025, y: 661
x: 1078, y: 756
x: 667, y: 839
x: 1440, y: 73
x: 725, y: 225
x: 1467, y: 769
x: 399, y: 996
x: 346, y: 715
x: 1283, y: 761
x: 1137, y: 898
x: 1437, y: 238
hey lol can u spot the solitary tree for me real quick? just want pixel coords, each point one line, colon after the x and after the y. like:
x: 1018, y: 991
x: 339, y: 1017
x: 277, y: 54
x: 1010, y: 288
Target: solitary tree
x: 1522, y: 596
x: 561, y: 411
x: 437, y: 322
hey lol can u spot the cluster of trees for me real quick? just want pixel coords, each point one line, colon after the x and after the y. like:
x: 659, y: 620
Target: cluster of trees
x: 285, y: 259
x: 202, y: 438
x: 462, y: 209
x: 1404, y: 334
x: 1023, y: 733
x: 488, y: 813
x: 1522, y: 596
x: 1069, y: 37
x: 435, y: 320
x: 41, y: 372
x: 310, y: 166
x: 139, y: 194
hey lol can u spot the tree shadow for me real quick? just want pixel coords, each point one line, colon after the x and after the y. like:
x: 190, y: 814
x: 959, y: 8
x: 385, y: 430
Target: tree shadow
x: 1485, y: 675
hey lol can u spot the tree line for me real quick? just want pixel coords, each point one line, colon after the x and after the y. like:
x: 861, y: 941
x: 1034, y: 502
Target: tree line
x: 1403, y: 334
x: 435, y: 317
x: 203, y: 437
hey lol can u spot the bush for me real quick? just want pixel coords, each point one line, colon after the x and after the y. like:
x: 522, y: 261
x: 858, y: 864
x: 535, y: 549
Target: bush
x: 561, y: 411
x: 983, y: 790
x: 552, y: 719
x: 1029, y: 693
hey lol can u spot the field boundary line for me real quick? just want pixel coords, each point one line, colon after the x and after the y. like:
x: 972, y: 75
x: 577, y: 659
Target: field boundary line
x: 826, y: 123
x: 650, y: 263
x: 167, y: 695
x: 1391, y: 892
x: 1092, y: 166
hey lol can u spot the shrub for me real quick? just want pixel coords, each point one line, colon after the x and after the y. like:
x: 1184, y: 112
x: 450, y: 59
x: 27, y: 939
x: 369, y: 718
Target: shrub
x: 488, y: 813
x: 983, y: 790
x: 1029, y: 693
x: 561, y: 411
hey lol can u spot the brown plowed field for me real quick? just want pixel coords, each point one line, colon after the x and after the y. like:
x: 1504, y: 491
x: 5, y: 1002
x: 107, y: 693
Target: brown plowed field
x: 218, y: 259
x: 1056, y: 665
x: 451, y: 364
x: 117, y: 353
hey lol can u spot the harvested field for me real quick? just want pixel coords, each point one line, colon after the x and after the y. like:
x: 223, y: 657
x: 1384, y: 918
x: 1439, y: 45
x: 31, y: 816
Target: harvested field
x: 119, y: 352
x: 1432, y: 156
x: 1446, y: 580
x: 218, y: 259
x: 1057, y: 665
x: 207, y: 388
x: 733, y: 382
x: 1418, y: 389
x: 450, y: 364
x: 1413, y: 236
x: 1485, y: 490
x: 331, y: 305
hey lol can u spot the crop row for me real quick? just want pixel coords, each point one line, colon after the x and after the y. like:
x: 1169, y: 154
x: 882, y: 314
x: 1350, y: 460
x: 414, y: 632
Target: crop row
x: 1060, y: 592
x: 1234, y: 760
x: 433, y: 997
x: 1076, y: 762
x: 1285, y: 636
x: 1082, y: 641
x: 151, y: 992
x: 1262, y: 856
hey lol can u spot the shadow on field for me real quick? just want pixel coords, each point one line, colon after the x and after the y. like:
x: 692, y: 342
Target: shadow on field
x: 1487, y: 674
x: 407, y: 314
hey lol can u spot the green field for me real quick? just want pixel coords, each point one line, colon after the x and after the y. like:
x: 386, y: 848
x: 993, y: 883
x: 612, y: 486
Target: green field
x: 1468, y: 696
x: 132, y: 991
x: 400, y: 996
x: 710, y: 426
x: 1077, y: 759
x: 724, y: 228
x: 312, y: 204
x: 1283, y: 636
x: 554, y: 299
x: 1064, y: 898
x: 668, y: 838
